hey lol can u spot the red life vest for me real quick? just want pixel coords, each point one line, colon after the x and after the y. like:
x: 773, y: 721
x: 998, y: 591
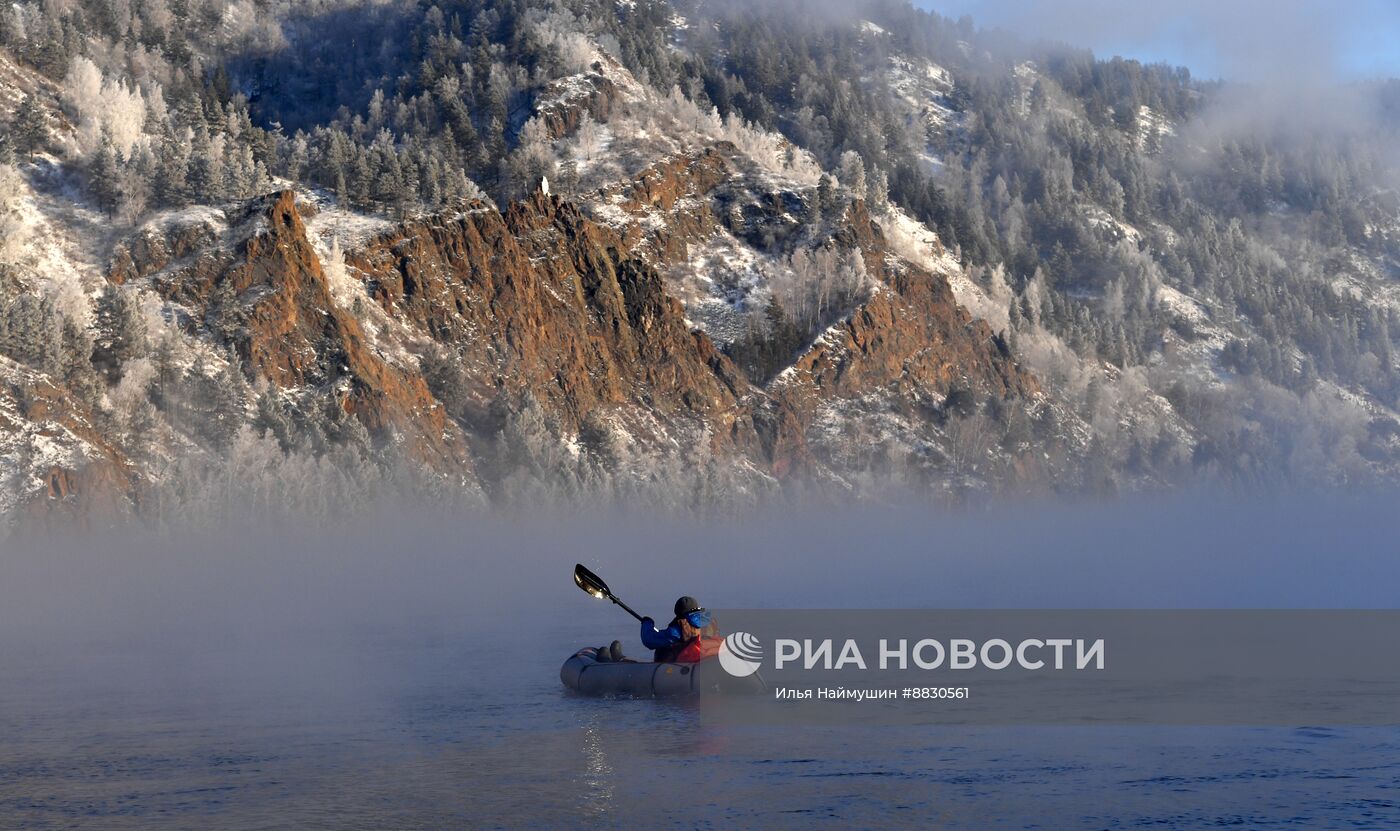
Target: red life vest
x: 697, y: 650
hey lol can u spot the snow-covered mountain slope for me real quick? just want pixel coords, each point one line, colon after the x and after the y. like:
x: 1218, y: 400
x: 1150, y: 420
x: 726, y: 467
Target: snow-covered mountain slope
x: 564, y: 255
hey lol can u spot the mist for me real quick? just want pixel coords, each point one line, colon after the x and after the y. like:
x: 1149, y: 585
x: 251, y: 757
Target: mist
x: 300, y: 675
x: 1289, y: 70
x: 423, y: 576
x: 1297, y: 44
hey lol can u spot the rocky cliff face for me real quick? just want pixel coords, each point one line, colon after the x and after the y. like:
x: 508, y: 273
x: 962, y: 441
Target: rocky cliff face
x: 83, y: 477
x: 267, y: 296
x: 899, y: 353
x: 437, y: 333
x: 564, y: 103
x: 541, y: 301
x: 912, y: 336
x: 546, y: 305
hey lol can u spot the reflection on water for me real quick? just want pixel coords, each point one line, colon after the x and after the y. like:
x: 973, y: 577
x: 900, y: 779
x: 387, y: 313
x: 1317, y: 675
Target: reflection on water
x: 598, y: 791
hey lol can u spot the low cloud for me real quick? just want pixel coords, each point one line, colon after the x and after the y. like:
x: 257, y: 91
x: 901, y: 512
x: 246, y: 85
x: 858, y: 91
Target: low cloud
x: 1303, y: 43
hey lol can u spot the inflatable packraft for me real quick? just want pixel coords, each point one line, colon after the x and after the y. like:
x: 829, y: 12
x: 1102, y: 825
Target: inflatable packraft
x: 585, y: 674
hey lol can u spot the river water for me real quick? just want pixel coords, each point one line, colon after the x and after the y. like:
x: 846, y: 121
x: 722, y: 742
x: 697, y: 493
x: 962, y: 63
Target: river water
x: 381, y: 677
x: 460, y: 735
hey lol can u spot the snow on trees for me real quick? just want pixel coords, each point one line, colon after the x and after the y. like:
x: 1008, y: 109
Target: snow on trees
x: 589, y: 137
x: 563, y: 33
x: 121, y: 329
x: 103, y: 106
x: 30, y: 128
x: 877, y: 194
x: 30, y: 331
x: 14, y: 232
x: 533, y: 160
x: 852, y: 173
x: 820, y: 286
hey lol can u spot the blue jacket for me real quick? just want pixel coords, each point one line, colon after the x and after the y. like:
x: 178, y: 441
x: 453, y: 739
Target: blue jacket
x: 652, y: 638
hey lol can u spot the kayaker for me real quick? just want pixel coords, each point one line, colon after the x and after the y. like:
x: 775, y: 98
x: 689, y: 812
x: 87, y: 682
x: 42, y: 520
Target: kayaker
x: 690, y: 637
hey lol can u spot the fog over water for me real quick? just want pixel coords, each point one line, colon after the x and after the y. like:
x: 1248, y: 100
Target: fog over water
x: 402, y: 670
x: 401, y: 572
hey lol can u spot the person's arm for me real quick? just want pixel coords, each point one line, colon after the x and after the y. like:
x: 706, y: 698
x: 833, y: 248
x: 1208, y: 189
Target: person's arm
x: 652, y: 638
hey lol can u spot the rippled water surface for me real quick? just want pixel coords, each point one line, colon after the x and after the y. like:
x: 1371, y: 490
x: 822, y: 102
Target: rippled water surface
x: 398, y: 676
x: 472, y: 734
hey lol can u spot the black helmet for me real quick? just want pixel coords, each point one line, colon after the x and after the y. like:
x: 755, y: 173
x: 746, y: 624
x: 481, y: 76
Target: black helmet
x: 686, y: 605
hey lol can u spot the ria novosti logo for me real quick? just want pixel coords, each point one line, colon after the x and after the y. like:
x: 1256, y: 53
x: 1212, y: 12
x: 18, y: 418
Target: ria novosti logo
x: 741, y: 654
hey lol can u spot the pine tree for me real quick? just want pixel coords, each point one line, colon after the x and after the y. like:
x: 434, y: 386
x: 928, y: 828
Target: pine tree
x: 29, y: 131
x: 226, y: 314
x: 853, y: 173
x: 242, y: 172
x: 826, y: 195
x: 878, y: 192
x: 75, y: 364
x: 298, y: 157
x: 271, y: 419
x: 105, y: 174
x: 389, y: 183
x: 32, y: 332
x: 121, y: 330
x: 163, y: 391
x: 206, y: 177
x: 140, y: 420
x: 228, y: 403
x: 172, y: 185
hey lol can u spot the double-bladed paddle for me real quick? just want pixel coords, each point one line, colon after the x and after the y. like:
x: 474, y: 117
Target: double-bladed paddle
x: 594, y: 585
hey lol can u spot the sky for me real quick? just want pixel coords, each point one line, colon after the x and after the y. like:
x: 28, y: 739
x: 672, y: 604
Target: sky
x: 1313, y: 41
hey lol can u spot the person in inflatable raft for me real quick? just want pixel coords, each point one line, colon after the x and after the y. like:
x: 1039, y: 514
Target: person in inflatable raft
x: 691, y: 636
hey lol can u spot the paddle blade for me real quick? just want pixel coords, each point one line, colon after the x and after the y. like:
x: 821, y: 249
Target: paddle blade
x: 590, y: 582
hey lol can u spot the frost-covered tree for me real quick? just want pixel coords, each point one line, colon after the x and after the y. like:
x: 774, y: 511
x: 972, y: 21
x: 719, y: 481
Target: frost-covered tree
x: 533, y: 161
x: 105, y: 175
x: 590, y: 139
x: 206, y: 175
x: 14, y: 230
x: 29, y: 129
x: 105, y: 109
x: 121, y: 330
x: 826, y: 201
x: 226, y: 315
x: 244, y: 180
x: 75, y: 363
x: 32, y: 333
x: 172, y: 185
x: 877, y: 194
x: 853, y: 173
x: 298, y: 157
x: 271, y: 420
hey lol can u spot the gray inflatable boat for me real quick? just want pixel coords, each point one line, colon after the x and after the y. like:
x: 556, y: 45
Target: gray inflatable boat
x: 585, y: 674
